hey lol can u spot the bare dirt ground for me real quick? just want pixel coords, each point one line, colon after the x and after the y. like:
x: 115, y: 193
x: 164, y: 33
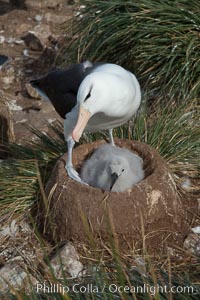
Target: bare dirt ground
x: 30, y: 36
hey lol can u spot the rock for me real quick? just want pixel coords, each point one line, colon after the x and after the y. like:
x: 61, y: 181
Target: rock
x: 10, y: 230
x: 19, y: 42
x: 140, y: 266
x: 66, y: 260
x: 31, y: 91
x: 56, y: 19
x: 7, y: 77
x: 192, y: 243
x: 14, y: 228
x: 43, y: 3
x: 3, y: 60
x: 32, y: 42
x: 148, y: 212
x: 12, y: 105
x: 7, y: 81
x: 82, y: 7
x: 45, y: 61
x: 2, y: 39
x: 23, y: 28
x: 10, y: 40
x: 19, y: 248
x: 43, y: 30
x: 26, y: 52
x: 196, y: 229
x: 38, y: 38
x: 13, y: 276
x: 38, y: 18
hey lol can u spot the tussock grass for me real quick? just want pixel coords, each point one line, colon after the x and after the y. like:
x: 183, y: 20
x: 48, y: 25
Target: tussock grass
x: 157, y: 40
x: 174, y: 131
x: 18, y: 182
x: 20, y: 175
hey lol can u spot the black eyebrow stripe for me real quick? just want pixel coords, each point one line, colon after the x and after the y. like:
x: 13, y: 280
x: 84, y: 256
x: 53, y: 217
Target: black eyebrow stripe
x: 88, y: 95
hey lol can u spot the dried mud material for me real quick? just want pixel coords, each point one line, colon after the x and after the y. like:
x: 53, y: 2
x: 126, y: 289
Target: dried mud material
x: 150, y: 215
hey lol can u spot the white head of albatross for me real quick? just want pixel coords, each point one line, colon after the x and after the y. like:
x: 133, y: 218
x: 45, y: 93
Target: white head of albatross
x: 106, y: 98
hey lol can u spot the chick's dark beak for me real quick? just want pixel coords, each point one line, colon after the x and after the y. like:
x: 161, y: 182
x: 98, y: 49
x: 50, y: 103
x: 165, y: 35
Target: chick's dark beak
x: 114, y: 177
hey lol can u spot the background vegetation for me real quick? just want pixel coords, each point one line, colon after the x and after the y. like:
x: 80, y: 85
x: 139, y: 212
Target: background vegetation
x: 159, y: 42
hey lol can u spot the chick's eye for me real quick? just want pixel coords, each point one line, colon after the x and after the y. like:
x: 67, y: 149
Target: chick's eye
x: 88, y: 96
x: 123, y: 170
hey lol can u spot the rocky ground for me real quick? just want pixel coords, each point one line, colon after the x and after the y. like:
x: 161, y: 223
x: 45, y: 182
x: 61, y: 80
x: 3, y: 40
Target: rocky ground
x: 30, y: 37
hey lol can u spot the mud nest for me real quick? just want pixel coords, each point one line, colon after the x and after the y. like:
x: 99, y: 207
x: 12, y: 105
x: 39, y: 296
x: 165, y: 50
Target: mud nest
x: 149, y: 217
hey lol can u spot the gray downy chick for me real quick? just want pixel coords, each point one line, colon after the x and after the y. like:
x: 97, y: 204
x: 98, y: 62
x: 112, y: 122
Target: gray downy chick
x: 113, y: 169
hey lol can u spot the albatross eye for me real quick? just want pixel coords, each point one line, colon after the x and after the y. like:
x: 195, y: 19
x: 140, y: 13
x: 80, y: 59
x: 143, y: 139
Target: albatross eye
x: 88, y: 96
x: 123, y: 170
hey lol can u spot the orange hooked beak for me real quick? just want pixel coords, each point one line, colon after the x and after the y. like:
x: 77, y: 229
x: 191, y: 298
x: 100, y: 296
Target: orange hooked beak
x: 83, y: 118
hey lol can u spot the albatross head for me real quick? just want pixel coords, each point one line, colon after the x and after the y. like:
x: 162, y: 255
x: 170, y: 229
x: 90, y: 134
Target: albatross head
x: 91, y: 99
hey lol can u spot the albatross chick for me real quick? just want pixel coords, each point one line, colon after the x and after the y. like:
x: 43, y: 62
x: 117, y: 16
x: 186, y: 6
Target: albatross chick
x: 113, y: 169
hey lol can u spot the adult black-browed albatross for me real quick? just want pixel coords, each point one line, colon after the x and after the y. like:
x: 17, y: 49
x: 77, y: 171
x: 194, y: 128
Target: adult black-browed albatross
x: 93, y: 97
